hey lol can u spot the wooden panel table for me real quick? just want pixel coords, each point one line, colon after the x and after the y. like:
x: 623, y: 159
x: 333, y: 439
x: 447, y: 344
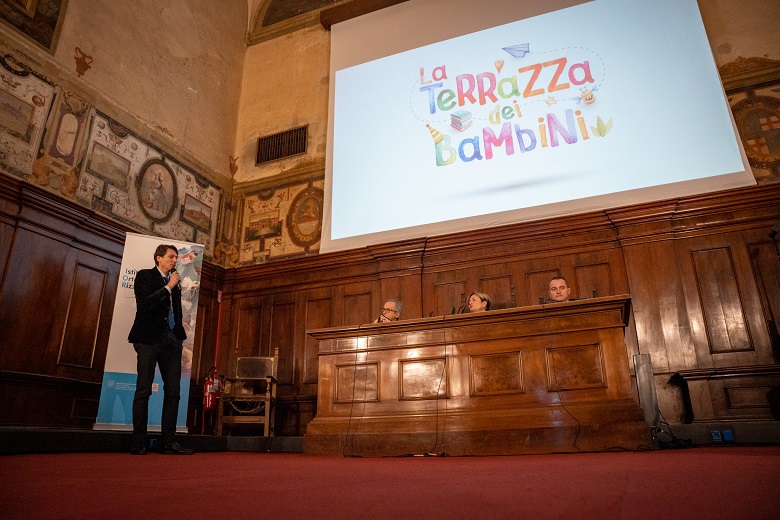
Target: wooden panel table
x: 538, y: 379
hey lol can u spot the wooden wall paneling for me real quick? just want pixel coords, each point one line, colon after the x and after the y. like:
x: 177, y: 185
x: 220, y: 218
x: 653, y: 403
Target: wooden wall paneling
x: 399, y: 268
x: 733, y: 332
x: 9, y: 210
x: 205, y: 343
x: 592, y: 281
x: 743, y: 398
x: 765, y: 261
x: 598, y: 273
x: 659, y: 305
x: 537, y: 285
x: 86, y: 302
x: 247, y: 329
x: 282, y: 336
x: 29, y: 306
x: 33, y: 400
x: 407, y: 289
x: 318, y: 311
x: 60, y: 269
x: 497, y: 282
x: 448, y: 297
x: 390, y: 288
x: 618, y: 280
x: 723, y: 316
x: 203, y: 357
x: 359, y: 304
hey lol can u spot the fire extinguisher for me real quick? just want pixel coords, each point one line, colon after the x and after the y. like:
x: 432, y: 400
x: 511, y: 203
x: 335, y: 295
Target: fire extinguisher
x: 210, y: 393
x: 211, y: 388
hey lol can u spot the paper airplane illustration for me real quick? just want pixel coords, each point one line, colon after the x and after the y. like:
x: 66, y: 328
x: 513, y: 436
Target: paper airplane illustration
x: 517, y: 51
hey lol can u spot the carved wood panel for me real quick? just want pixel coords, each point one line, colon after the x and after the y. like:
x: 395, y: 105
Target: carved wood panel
x: 592, y: 281
x: 82, y: 317
x: 422, y: 379
x: 765, y: 261
x: 575, y: 368
x: 659, y: 305
x: 448, y: 297
x: 248, y: 330
x: 537, y: 284
x: 500, y: 290
x: 317, y: 312
x: 357, y: 383
x: 282, y: 336
x: 724, y: 318
x: 358, y: 309
x: 496, y: 374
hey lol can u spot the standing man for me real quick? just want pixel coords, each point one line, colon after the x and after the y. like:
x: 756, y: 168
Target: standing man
x: 390, y: 311
x: 559, y: 290
x: 157, y: 335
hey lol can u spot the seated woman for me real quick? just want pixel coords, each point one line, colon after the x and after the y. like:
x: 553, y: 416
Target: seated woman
x: 479, y: 302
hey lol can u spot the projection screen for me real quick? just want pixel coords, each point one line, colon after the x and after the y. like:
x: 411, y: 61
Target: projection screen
x: 453, y: 115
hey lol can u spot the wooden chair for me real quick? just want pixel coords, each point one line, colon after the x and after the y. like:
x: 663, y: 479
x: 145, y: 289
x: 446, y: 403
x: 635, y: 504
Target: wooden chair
x: 250, y: 396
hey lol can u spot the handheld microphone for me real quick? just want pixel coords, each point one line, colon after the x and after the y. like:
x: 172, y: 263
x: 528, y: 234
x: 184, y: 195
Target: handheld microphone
x: 173, y: 270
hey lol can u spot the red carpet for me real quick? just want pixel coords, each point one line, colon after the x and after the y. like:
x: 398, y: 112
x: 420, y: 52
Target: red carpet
x: 711, y: 483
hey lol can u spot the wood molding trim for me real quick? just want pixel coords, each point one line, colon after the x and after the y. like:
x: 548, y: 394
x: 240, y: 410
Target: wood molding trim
x: 727, y: 211
x: 729, y: 372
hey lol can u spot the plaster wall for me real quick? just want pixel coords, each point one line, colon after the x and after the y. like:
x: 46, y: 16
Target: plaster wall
x: 738, y: 28
x: 285, y: 85
x: 169, y: 70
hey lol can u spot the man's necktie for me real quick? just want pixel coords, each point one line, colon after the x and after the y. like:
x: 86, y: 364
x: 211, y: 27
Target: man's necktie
x: 170, y: 307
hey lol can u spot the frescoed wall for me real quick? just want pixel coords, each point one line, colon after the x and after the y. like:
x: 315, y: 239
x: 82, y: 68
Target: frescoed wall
x: 281, y: 222
x: 54, y: 139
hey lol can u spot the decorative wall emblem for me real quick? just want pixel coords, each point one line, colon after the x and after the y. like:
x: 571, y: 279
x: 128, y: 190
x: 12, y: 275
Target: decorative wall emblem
x: 83, y: 61
x: 157, y: 190
x: 304, y: 220
x: 758, y: 121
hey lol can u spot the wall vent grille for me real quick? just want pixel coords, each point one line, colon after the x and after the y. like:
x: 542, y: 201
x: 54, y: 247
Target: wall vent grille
x: 282, y: 145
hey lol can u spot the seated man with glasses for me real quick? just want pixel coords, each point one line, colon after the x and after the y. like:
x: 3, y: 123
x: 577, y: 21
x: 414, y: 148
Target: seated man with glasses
x: 391, y: 311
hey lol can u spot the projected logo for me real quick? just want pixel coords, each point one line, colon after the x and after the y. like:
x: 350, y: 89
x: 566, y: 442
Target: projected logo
x: 530, y: 101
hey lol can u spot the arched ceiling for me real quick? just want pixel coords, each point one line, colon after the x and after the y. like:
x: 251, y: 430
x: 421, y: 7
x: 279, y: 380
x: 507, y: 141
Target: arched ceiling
x: 281, y: 10
x: 270, y: 19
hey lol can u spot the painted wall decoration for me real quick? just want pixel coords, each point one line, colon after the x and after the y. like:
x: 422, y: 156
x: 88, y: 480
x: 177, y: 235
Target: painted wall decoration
x: 25, y: 100
x: 108, y: 165
x: 281, y: 222
x: 156, y: 190
x: 196, y: 213
x: 757, y: 116
x: 39, y: 20
x: 226, y: 250
x: 69, y: 121
x: 52, y: 138
x: 131, y: 181
x: 304, y: 219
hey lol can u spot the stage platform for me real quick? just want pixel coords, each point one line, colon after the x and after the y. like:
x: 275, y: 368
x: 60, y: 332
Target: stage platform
x: 14, y: 441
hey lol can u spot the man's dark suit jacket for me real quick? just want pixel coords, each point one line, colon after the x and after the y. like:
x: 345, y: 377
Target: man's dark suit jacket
x: 152, y: 301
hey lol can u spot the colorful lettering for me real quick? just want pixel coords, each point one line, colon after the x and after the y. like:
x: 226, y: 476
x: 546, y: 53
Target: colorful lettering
x: 490, y: 139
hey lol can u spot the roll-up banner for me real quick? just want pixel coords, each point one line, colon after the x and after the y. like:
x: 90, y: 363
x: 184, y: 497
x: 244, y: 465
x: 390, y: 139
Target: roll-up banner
x: 115, y: 411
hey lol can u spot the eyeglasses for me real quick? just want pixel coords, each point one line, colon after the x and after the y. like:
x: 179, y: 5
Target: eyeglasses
x: 385, y: 309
